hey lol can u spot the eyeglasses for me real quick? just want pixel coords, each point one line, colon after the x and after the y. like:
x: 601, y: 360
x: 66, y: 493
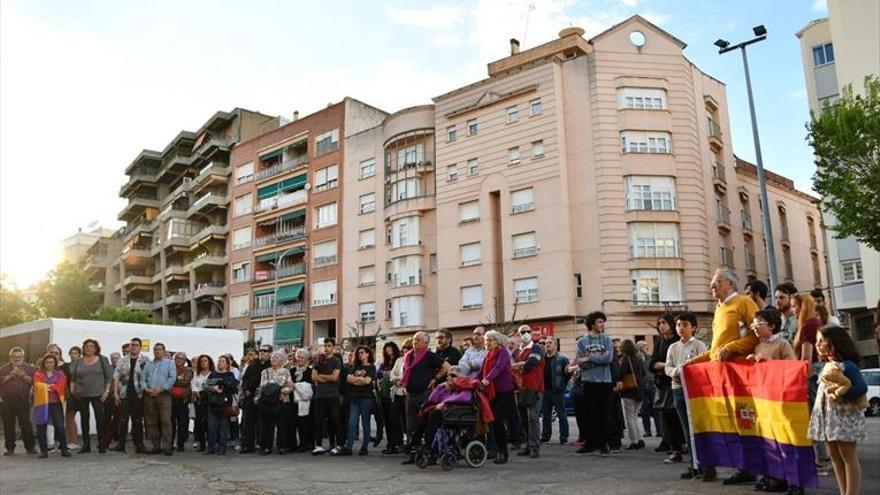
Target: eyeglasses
x: 265, y: 350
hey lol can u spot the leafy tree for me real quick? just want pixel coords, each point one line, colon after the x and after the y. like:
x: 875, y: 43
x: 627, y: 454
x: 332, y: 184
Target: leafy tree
x: 116, y: 313
x: 65, y: 293
x: 846, y: 142
x: 14, y: 309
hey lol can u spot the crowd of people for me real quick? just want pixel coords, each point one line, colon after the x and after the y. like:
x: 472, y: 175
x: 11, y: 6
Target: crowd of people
x: 326, y: 400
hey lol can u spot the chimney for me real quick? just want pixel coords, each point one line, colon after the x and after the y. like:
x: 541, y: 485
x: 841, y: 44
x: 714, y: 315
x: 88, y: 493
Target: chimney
x: 514, y: 46
x: 296, y: 115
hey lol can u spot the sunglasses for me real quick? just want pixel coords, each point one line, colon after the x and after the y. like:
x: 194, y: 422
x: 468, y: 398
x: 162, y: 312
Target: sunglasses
x: 265, y: 350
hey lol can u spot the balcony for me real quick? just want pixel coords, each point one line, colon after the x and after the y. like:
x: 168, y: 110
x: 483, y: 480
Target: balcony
x: 95, y: 262
x: 526, y: 296
x: 280, y: 202
x: 174, y: 164
x: 280, y: 237
x: 141, y: 305
x: 523, y: 208
x: 179, y: 296
x: 134, y: 255
x: 727, y: 257
x: 211, y: 231
x: 293, y: 270
x: 324, y: 261
x: 171, y: 211
x: 719, y: 177
x: 176, y: 270
x: 751, y: 265
x: 138, y: 176
x: 211, y: 145
x: 786, y: 240
x: 136, y: 206
x: 723, y: 214
x: 419, y: 165
x: 715, y: 135
x: 279, y: 310
x: 207, y: 260
x: 209, y: 322
x: 137, y: 280
x: 182, y: 188
x: 330, y: 300
x: 211, y: 289
x: 207, y: 202
x: 525, y: 252
x: 274, y: 170
x: 217, y: 173
x: 97, y: 287
x: 746, y: 222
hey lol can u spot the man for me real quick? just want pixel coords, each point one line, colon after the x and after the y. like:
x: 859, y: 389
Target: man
x: 758, y: 290
x: 157, y: 380
x: 555, y: 381
x: 325, y: 375
x: 127, y: 386
x: 445, y: 349
x: 732, y: 311
x: 250, y: 382
x: 529, y: 364
x: 595, y: 352
x: 472, y: 360
x: 783, y: 295
x: 422, y: 371
x: 16, y: 379
x: 111, y: 412
x: 819, y: 297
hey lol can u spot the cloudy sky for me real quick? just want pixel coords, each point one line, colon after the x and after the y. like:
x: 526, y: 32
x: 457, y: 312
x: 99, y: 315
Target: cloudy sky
x: 85, y: 85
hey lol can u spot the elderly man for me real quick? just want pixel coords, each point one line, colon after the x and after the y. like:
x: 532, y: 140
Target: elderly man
x: 422, y: 371
x: 472, y: 360
x: 16, y: 379
x: 555, y: 381
x: 529, y: 363
x: 157, y: 381
x: 250, y: 382
x: 732, y: 312
x: 128, y: 396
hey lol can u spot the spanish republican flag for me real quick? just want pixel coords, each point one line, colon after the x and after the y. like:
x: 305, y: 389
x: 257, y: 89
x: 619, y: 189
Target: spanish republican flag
x: 752, y: 416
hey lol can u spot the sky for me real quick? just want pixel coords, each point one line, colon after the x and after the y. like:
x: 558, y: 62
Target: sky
x: 85, y: 85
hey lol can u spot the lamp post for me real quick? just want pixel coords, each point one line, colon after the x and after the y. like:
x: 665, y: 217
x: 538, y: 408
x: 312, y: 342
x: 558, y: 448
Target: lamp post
x: 276, y: 266
x: 724, y: 46
x: 219, y: 306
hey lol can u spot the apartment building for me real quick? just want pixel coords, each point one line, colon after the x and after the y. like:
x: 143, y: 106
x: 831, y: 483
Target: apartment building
x: 286, y: 221
x: 97, y: 265
x: 172, y: 260
x: 838, y: 51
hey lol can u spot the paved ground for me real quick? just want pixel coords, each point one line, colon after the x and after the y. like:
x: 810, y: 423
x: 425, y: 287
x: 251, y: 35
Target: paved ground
x: 558, y: 471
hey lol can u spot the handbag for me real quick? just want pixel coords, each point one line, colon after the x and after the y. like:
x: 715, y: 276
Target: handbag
x: 629, y: 381
x: 232, y: 409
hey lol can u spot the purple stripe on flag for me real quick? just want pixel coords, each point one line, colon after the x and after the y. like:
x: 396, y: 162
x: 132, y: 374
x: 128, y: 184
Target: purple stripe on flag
x: 758, y: 456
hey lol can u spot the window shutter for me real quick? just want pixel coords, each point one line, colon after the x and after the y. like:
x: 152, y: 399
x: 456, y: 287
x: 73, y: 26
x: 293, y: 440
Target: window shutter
x: 670, y: 285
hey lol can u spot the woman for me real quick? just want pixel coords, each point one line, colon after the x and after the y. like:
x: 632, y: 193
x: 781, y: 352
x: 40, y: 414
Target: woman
x: 647, y: 410
x: 397, y: 414
x: 809, y: 323
x: 50, y: 386
x: 673, y: 435
x: 90, y: 381
x: 630, y: 390
x: 181, y: 396
x: 496, y: 377
x: 301, y: 420
x: 272, y: 399
x: 220, y: 387
x: 204, y: 367
x: 233, y: 421
x: 390, y: 354
x: 360, y: 379
x: 75, y: 354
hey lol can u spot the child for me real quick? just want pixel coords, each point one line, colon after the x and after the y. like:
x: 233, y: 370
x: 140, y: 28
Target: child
x: 767, y: 324
x: 678, y: 354
x: 833, y: 421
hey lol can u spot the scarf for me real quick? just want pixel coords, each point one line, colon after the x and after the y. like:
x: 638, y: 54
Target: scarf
x: 42, y: 384
x: 410, y: 361
x: 488, y: 363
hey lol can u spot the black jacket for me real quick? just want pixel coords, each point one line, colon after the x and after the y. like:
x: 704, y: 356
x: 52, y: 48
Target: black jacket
x: 250, y: 382
x: 659, y: 356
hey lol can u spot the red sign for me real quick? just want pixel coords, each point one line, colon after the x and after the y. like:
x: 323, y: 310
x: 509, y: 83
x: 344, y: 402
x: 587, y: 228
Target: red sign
x: 542, y: 329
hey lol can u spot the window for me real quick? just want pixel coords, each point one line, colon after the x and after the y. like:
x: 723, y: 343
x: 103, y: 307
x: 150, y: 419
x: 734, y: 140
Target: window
x: 368, y: 311
x: 512, y: 114
x: 432, y: 261
x: 324, y: 293
x: 644, y: 142
x: 526, y: 290
x: 388, y: 309
x: 366, y: 238
x: 469, y: 212
x: 326, y: 142
x: 326, y: 178
x: 452, y: 171
x: 522, y: 201
x: 656, y: 286
x: 472, y: 297
x: 451, y: 133
x: 535, y: 107
x: 513, y: 155
x: 473, y: 166
x: 469, y: 254
x: 388, y: 271
x: 406, y: 311
x: 367, y: 275
x: 239, y: 306
x: 324, y: 253
x: 578, y: 286
x: 244, y: 173
x: 823, y: 54
x: 525, y: 245
x: 653, y: 240
x: 406, y: 270
x: 404, y: 189
x: 538, y: 149
x: 368, y: 202
x: 852, y: 270
x: 244, y: 204
x: 642, y: 98
x: 325, y: 216
x: 650, y: 193
x: 409, y: 156
x: 241, y: 272
x: 241, y: 238
x: 368, y: 168
x: 405, y: 232
x: 472, y: 127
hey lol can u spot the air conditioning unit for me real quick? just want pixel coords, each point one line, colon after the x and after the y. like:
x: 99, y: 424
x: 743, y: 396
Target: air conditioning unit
x: 187, y: 180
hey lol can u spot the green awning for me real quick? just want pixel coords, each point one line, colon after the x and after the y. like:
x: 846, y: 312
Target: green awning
x: 292, y: 216
x: 271, y: 154
x: 293, y: 183
x: 267, y: 257
x: 289, y: 292
x: 263, y: 292
x: 289, y: 332
x: 267, y: 191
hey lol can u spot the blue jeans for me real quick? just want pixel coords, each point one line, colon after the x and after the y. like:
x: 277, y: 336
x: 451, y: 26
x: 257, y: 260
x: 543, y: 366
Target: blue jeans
x: 360, y: 407
x: 551, y: 401
x: 218, y: 429
x: 681, y: 407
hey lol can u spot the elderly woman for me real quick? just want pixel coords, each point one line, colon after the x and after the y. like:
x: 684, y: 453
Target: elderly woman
x: 300, y: 426
x: 495, y: 376
x: 90, y: 380
x: 273, y: 397
x: 181, y: 396
x: 397, y: 410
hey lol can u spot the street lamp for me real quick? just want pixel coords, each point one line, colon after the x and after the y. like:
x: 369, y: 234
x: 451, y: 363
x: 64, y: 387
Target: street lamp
x: 724, y: 46
x: 219, y: 306
x: 276, y: 267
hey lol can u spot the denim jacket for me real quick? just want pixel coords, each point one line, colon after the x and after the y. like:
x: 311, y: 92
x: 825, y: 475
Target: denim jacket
x: 558, y: 376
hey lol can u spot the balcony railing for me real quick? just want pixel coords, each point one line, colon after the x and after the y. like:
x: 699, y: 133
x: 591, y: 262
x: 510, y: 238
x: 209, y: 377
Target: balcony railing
x: 280, y: 168
x: 324, y: 301
x: 279, y: 310
x: 714, y: 129
x: 750, y: 262
x: 718, y: 172
x: 727, y: 257
x: 325, y: 260
x: 325, y: 146
x: 723, y: 213
x: 473, y: 262
x: 281, y: 201
x: 746, y: 220
x: 210, y: 289
x: 526, y: 296
x: 525, y: 252
x: 281, y: 237
x: 785, y: 236
x: 523, y: 208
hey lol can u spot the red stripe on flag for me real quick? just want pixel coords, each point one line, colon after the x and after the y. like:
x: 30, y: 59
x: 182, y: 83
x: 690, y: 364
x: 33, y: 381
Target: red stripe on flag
x: 772, y: 380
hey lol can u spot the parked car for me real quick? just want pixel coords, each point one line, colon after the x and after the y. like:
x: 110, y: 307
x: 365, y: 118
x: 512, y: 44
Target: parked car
x: 872, y: 378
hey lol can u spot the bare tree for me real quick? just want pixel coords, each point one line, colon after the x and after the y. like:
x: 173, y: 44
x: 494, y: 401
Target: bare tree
x: 358, y: 335
x: 507, y: 327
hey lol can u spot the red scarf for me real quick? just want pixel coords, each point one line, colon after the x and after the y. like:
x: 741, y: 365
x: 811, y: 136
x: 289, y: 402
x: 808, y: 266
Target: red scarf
x: 487, y: 367
x: 410, y: 360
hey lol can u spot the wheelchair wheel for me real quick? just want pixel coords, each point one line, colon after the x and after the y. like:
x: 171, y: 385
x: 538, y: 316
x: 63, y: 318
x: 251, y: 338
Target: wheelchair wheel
x: 475, y: 454
x: 422, y: 459
x: 447, y: 462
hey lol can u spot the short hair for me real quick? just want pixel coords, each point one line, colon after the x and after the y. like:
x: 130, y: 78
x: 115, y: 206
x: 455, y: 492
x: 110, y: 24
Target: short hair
x: 136, y: 339
x: 157, y: 344
x: 772, y: 316
x: 688, y: 317
x: 95, y: 343
x: 75, y: 348
x: 446, y: 333
x: 787, y: 288
x: 591, y: 318
x: 269, y: 346
x: 125, y: 347
x: 817, y: 294
x: 729, y: 275
x: 481, y: 328
x: 497, y: 337
x: 116, y: 355
x: 423, y: 336
x: 522, y: 328
x: 758, y: 288
x: 327, y: 340
x: 16, y: 349
x: 280, y: 354
x: 180, y: 354
x: 302, y: 353
x: 407, y: 342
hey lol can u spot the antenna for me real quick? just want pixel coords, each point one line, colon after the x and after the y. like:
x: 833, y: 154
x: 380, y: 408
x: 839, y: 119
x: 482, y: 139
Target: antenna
x: 528, y: 14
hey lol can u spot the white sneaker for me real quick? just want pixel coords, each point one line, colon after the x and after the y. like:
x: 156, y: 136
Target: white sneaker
x: 195, y: 445
x: 73, y: 446
x: 335, y: 450
x: 318, y: 450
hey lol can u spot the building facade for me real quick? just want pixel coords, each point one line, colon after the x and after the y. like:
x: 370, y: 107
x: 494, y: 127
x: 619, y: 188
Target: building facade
x: 97, y: 265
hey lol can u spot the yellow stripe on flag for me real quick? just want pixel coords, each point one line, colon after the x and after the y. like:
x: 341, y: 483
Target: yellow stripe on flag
x: 783, y: 422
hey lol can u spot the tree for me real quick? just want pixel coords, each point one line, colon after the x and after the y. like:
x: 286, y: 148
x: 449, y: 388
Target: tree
x: 14, y: 309
x: 359, y: 336
x: 116, y: 313
x: 846, y: 142
x: 65, y: 293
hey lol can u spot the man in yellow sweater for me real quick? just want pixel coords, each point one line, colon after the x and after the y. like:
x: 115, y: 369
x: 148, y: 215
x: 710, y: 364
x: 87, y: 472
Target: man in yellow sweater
x: 733, y: 312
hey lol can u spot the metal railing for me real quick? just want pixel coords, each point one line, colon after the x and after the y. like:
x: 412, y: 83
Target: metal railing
x: 281, y: 201
x: 723, y: 213
x: 525, y: 252
x: 278, y: 310
x: 280, y: 168
x: 526, y: 296
x: 750, y: 262
x: 746, y: 220
x: 325, y: 260
x: 523, y: 208
x: 727, y: 257
x: 718, y: 172
x: 281, y: 237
